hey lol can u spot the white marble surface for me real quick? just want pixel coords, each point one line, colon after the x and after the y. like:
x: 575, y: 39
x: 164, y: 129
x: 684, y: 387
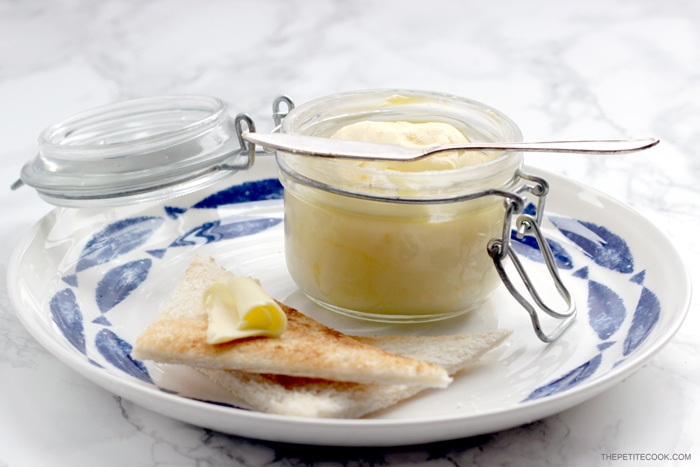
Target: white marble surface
x: 594, y: 69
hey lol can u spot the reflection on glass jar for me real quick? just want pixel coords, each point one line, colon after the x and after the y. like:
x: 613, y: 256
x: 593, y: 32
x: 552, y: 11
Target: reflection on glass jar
x: 387, y: 244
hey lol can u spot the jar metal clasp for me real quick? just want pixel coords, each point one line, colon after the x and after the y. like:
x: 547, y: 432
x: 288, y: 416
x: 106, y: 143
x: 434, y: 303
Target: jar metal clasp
x: 501, y: 248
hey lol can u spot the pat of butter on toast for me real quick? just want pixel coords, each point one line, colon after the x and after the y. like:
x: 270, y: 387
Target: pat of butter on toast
x: 238, y: 307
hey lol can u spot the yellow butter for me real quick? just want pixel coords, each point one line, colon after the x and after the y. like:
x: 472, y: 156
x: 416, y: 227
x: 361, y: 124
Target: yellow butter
x: 413, y: 135
x: 238, y: 307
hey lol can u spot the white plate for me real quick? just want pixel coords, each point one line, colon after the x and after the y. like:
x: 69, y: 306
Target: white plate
x: 85, y: 283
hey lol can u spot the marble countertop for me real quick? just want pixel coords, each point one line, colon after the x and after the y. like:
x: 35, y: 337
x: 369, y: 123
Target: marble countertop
x: 583, y: 70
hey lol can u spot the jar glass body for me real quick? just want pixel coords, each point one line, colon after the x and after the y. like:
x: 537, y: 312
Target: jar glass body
x: 389, y: 245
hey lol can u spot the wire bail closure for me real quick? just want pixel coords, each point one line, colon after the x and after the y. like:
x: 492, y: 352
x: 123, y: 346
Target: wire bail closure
x: 500, y: 248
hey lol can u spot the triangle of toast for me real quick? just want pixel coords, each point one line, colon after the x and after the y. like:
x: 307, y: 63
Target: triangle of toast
x: 306, y: 349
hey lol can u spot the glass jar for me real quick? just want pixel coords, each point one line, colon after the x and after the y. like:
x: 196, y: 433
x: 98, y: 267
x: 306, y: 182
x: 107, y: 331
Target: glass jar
x: 390, y: 245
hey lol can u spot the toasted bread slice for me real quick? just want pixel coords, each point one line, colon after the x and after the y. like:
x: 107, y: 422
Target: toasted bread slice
x: 306, y: 397
x: 307, y: 348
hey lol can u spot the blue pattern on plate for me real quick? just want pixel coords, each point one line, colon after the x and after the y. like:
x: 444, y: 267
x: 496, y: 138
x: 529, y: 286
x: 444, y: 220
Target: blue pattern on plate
x: 528, y: 247
x: 118, y: 353
x: 119, y: 282
x: 117, y: 239
x: 645, y: 317
x: 602, y: 246
x: 605, y: 345
x: 71, y: 279
x: 102, y: 320
x: 530, y: 209
x: 581, y: 273
x: 569, y: 380
x: 174, y: 212
x: 216, y: 231
x: 66, y: 313
x: 606, y: 310
x: 638, y: 278
x: 259, y: 190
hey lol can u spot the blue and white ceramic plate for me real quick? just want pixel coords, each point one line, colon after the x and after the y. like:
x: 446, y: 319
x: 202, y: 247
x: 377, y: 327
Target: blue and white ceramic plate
x: 85, y: 283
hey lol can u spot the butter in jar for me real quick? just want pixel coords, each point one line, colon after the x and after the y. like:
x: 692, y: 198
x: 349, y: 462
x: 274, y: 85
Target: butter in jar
x: 396, y: 242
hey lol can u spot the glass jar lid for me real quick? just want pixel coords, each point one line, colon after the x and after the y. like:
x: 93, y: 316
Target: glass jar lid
x: 137, y: 150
